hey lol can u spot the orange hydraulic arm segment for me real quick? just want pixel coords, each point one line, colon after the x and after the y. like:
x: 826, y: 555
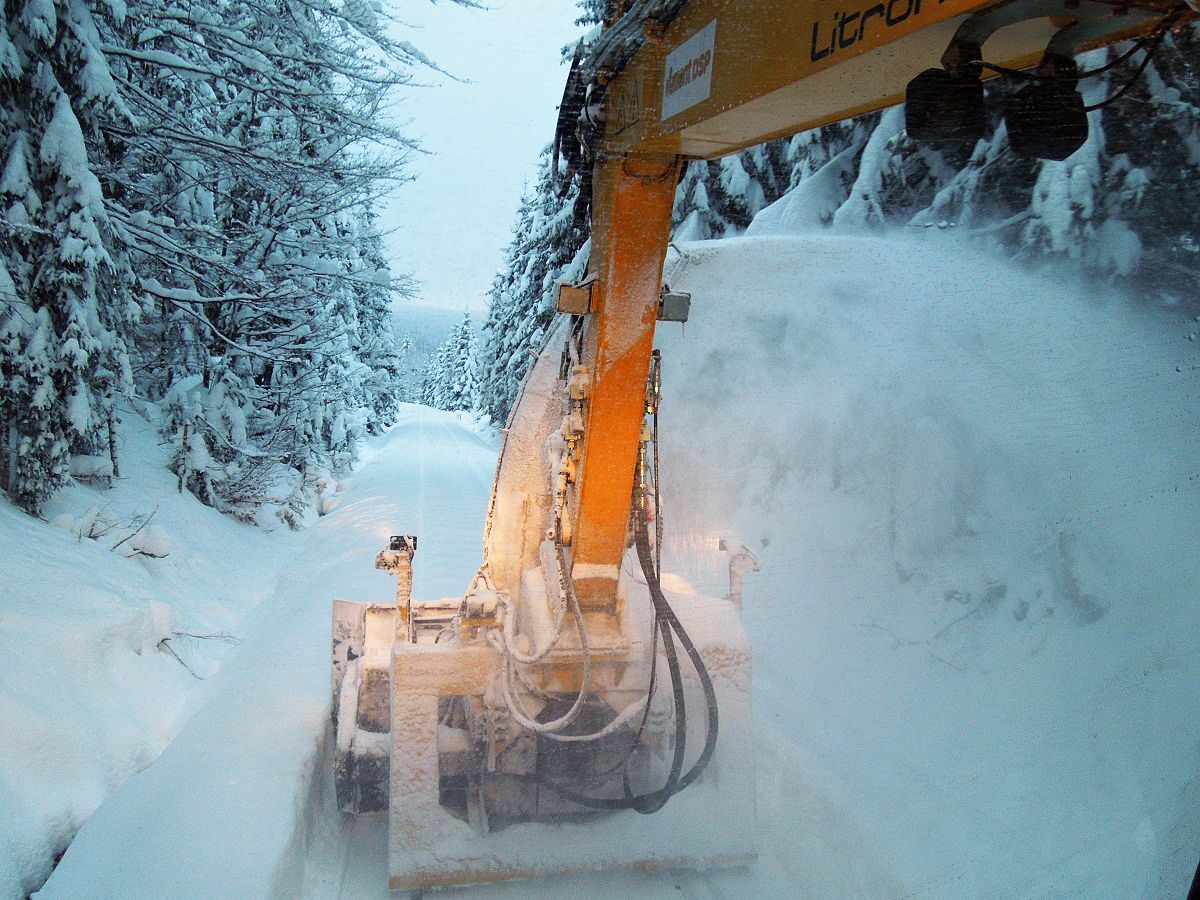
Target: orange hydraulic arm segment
x: 633, y: 196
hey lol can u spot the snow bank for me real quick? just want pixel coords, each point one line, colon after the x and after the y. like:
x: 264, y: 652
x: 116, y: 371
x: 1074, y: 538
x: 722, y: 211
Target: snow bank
x: 104, y: 653
x: 231, y: 801
x: 974, y: 492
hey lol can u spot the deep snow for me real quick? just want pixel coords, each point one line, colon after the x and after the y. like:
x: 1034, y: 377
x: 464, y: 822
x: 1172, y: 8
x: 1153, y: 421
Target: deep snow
x: 93, y: 645
x: 974, y: 491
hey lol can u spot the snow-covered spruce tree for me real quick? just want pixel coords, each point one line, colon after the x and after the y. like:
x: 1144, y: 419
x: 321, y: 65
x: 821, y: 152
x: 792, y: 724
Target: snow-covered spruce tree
x: 433, y: 379
x: 548, y: 245
x: 1114, y: 205
x: 408, y: 375
x: 190, y: 184
x: 450, y: 381
x: 591, y: 12
x: 245, y: 193
x: 377, y: 347
x: 66, y: 310
x: 720, y: 197
x: 462, y: 388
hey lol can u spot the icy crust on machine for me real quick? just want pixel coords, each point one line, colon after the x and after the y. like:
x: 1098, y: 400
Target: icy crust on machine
x: 710, y: 823
x: 520, y: 504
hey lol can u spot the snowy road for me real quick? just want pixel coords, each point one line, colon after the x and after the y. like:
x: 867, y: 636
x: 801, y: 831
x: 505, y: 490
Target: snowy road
x: 234, y: 794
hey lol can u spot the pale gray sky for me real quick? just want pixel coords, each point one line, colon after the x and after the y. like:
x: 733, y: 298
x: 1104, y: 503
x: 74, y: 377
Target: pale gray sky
x: 483, y: 137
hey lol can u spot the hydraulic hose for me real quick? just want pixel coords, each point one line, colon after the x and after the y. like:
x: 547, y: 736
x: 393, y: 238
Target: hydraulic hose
x: 514, y: 704
x: 669, y: 624
x: 642, y: 542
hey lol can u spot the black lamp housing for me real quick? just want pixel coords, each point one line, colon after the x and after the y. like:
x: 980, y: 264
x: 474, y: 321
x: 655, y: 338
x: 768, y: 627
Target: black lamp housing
x: 944, y: 107
x: 1046, y: 119
x: 945, y: 110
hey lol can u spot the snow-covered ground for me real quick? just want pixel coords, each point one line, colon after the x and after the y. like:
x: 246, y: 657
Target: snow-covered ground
x: 105, y: 653
x: 974, y: 492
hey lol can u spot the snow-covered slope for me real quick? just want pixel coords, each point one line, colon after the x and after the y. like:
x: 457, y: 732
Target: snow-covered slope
x: 103, y: 657
x: 974, y: 492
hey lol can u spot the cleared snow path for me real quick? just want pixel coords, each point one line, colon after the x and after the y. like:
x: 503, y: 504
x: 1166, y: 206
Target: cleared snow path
x: 225, y: 809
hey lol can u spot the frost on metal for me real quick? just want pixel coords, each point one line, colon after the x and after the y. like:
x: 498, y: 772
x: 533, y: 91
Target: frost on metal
x: 362, y: 637
x: 710, y: 823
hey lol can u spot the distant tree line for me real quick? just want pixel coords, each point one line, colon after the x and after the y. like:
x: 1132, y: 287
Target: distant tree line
x: 450, y: 379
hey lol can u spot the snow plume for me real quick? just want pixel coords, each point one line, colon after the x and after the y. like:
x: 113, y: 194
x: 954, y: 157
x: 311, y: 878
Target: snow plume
x: 974, y: 491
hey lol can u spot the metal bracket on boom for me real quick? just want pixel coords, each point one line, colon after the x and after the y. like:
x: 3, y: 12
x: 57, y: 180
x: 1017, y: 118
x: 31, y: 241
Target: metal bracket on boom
x: 576, y: 298
x: 674, y: 306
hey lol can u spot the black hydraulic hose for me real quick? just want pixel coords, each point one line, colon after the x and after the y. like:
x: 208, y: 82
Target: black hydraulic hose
x: 658, y: 511
x: 641, y: 729
x: 1149, y: 43
x: 637, y: 738
x: 642, y: 541
x: 654, y: 800
x: 1078, y: 76
x: 1151, y: 50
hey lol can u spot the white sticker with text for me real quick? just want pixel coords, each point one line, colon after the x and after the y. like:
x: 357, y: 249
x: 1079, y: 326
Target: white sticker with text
x: 687, y: 78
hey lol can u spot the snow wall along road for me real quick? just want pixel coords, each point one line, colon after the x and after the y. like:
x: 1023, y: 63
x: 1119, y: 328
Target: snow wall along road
x: 974, y: 493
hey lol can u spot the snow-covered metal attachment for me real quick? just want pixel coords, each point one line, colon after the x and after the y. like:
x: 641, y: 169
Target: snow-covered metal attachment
x: 484, y: 724
x: 397, y: 559
x: 477, y: 796
x: 674, y: 306
x: 741, y: 561
x: 1046, y: 118
x: 576, y: 299
x: 363, y: 635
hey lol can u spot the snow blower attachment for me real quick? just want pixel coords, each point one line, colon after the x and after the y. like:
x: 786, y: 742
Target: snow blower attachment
x: 479, y: 723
